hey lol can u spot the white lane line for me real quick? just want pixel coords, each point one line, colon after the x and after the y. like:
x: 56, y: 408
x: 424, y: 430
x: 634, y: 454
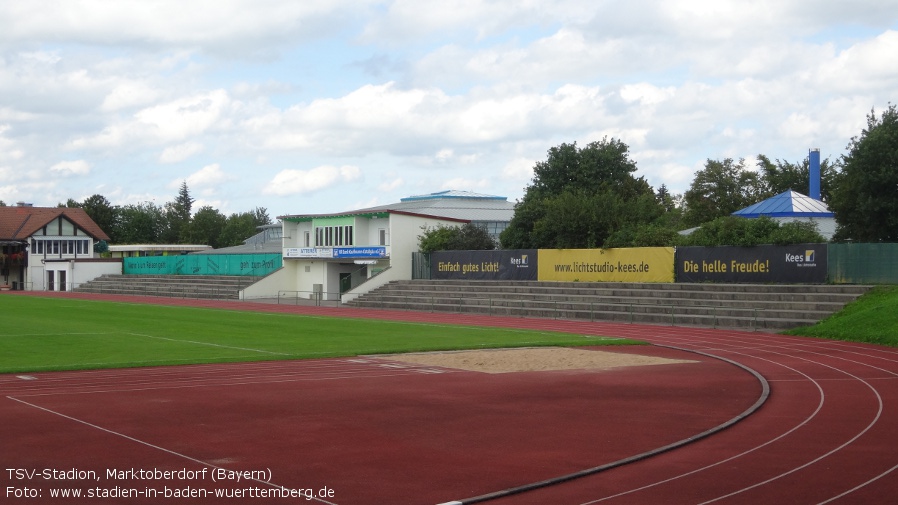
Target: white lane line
x: 210, y: 344
x: 154, y: 446
x: 821, y: 457
x: 791, y: 345
x: 736, y: 456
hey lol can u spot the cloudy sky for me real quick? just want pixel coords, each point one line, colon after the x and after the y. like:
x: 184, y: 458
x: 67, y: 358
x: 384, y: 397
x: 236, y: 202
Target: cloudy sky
x: 322, y: 106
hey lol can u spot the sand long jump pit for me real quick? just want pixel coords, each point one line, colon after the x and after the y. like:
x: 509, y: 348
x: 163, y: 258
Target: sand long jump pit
x: 533, y: 359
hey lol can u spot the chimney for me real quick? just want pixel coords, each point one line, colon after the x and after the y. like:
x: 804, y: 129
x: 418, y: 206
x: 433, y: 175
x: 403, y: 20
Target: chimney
x: 814, y: 172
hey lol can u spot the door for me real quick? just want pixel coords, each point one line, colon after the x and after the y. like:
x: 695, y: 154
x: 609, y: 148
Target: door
x: 345, y: 282
x: 51, y: 276
x: 62, y: 280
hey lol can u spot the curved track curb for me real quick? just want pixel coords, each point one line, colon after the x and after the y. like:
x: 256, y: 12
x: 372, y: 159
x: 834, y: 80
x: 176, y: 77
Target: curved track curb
x: 765, y: 394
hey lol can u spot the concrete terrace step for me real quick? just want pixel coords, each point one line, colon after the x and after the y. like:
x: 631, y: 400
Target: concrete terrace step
x: 621, y: 289
x: 594, y: 303
x: 753, y: 306
x: 213, y: 287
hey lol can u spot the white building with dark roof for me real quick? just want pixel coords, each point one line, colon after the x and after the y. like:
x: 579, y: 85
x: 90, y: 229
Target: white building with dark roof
x: 49, y: 248
x: 341, y: 255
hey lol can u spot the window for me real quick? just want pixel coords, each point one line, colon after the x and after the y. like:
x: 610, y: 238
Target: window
x: 306, y: 239
x: 329, y: 236
x: 77, y: 247
x: 382, y: 236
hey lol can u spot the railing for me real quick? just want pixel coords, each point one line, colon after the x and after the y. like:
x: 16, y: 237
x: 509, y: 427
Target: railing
x: 17, y: 286
x: 557, y: 309
x: 316, y: 298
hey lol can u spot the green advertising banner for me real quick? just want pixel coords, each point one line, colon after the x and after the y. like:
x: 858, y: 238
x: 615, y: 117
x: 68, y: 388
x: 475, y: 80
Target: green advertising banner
x: 639, y: 264
x: 258, y: 265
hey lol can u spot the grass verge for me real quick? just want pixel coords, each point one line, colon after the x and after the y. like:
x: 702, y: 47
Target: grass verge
x: 872, y: 318
x: 40, y: 334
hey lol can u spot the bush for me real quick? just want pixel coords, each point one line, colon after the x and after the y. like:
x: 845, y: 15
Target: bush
x: 738, y: 231
x: 468, y: 237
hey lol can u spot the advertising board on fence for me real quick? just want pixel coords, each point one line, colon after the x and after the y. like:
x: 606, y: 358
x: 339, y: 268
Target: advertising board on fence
x: 336, y: 252
x: 801, y: 263
x: 515, y: 264
x: 203, y: 264
x: 642, y: 264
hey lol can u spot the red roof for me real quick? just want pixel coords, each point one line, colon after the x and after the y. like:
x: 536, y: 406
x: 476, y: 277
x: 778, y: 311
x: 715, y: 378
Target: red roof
x: 20, y: 223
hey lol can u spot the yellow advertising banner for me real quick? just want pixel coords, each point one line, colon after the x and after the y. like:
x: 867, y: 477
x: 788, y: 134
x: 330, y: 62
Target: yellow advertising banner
x: 627, y: 264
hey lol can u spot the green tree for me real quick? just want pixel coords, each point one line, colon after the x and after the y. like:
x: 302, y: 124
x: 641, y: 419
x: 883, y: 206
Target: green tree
x: 473, y: 237
x: 721, y: 188
x: 468, y: 237
x: 178, y: 215
x: 783, y: 176
x: 578, y: 197
x: 260, y: 216
x: 206, y: 227
x: 436, y: 239
x: 2, y: 203
x: 242, y: 226
x: 238, y: 228
x: 102, y: 212
x: 143, y: 223
x: 866, y: 199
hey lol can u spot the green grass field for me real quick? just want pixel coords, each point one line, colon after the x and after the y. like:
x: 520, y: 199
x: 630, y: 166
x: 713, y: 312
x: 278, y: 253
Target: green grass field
x: 40, y: 334
x: 871, y: 318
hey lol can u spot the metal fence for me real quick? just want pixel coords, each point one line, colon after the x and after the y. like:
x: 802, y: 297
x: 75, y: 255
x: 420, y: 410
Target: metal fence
x: 863, y: 263
x: 420, y: 265
x: 313, y: 298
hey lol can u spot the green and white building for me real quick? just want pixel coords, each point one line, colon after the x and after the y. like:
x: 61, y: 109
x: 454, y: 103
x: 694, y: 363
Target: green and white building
x: 342, y: 255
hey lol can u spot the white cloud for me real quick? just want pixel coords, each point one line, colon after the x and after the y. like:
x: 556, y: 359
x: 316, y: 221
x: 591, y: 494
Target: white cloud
x: 129, y: 94
x: 867, y: 65
x: 182, y: 118
x: 76, y: 167
x: 177, y: 120
x: 519, y: 169
x: 208, y: 176
x: 646, y: 93
x: 391, y: 185
x: 294, y: 182
x: 464, y: 184
x: 222, y: 26
x: 180, y: 152
x: 471, y: 91
x: 8, y: 149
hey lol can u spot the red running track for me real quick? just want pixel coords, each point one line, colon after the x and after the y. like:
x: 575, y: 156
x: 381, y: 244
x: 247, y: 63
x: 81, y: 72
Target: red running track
x: 374, y: 432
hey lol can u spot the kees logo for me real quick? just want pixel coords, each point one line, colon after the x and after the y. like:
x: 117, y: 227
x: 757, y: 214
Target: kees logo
x: 522, y: 262
x: 807, y: 260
